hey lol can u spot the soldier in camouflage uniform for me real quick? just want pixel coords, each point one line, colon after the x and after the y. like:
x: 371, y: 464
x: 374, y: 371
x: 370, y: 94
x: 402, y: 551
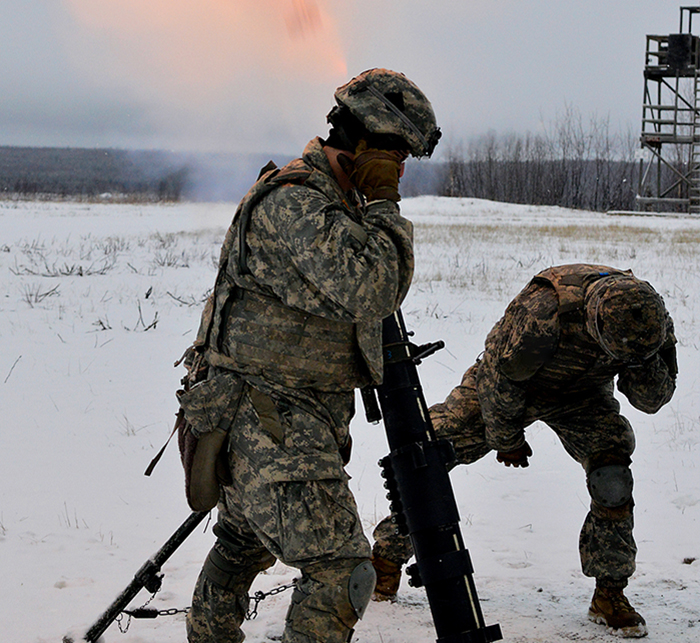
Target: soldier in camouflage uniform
x: 317, y: 255
x: 553, y: 357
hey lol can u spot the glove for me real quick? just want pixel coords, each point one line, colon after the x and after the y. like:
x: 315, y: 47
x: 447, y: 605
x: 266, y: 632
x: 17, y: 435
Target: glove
x: 668, y: 357
x: 517, y: 457
x: 346, y: 451
x: 376, y: 172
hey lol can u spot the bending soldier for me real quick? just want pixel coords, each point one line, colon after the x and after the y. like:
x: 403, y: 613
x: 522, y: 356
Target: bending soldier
x: 553, y: 357
x: 317, y: 255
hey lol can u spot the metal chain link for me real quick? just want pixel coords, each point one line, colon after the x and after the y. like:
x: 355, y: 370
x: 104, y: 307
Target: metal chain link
x: 125, y: 628
x: 145, y: 612
x: 172, y: 611
x: 259, y: 596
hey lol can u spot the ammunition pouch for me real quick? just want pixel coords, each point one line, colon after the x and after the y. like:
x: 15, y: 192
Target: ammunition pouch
x: 203, y: 489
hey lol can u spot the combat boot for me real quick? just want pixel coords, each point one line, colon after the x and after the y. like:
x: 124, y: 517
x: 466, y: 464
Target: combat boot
x: 610, y: 607
x: 388, y: 579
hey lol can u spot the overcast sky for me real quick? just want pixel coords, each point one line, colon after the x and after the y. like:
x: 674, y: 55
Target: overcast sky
x: 259, y: 75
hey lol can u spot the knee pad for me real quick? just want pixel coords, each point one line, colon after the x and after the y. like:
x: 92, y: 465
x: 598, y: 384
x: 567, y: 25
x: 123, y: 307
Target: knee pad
x: 611, y: 485
x: 328, y: 601
x: 360, y: 587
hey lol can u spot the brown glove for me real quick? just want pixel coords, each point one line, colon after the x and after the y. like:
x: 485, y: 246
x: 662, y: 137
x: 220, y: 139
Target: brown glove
x: 346, y: 451
x: 376, y: 172
x: 517, y: 457
x: 668, y: 357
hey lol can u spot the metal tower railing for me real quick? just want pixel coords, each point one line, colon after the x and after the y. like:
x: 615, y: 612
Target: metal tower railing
x: 670, y: 137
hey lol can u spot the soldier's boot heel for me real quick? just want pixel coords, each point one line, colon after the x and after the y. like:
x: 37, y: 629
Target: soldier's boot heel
x: 611, y: 608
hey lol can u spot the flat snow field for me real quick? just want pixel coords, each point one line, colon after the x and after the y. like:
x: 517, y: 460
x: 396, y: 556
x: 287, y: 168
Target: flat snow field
x: 98, y: 301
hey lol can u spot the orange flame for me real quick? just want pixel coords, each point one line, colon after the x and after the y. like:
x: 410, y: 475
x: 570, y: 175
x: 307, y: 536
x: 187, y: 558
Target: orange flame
x: 178, y: 47
x: 304, y: 18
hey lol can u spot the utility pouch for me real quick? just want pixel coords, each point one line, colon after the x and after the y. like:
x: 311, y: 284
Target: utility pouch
x: 207, y: 411
x: 201, y: 462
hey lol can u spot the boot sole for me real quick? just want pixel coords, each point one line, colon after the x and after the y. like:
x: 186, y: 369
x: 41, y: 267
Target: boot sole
x: 632, y: 632
x: 384, y: 598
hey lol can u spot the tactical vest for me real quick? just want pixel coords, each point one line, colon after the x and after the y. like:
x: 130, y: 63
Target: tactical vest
x: 577, y: 352
x: 247, y: 329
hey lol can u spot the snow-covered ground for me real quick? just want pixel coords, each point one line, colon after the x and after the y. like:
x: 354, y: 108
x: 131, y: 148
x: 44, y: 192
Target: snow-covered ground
x: 97, y: 302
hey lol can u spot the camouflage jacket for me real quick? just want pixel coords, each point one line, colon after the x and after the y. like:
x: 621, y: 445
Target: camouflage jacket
x: 321, y: 270
x: 539, y: 355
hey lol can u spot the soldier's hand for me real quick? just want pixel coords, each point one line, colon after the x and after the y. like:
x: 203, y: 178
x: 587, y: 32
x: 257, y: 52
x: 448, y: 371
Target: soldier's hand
x: 346, y: 451
x: 668, y: 357
x: 517, y: 457
x: 376, y: 172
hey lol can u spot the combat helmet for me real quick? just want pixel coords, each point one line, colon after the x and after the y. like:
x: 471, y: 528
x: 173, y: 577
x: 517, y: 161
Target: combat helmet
x: 626, y: 316
x: 385, y: 103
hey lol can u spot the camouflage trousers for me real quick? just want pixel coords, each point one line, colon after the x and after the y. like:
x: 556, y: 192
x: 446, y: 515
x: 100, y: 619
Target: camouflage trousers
x: 289, y: 500
x: 592, y: 431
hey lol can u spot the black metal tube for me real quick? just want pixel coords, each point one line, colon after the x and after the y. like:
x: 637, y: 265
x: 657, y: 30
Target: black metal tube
x: 423, y: 502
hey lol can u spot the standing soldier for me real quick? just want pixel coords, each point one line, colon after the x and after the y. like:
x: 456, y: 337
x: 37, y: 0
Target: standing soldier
x: 317, y: 255
x: 553, y: 357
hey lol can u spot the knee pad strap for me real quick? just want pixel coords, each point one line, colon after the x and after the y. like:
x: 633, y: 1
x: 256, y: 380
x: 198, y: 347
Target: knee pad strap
x: 220, y: 571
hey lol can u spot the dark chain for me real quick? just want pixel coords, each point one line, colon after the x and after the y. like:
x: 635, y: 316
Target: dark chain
x: 172, y: 611
x: 150, y: 612
x: 258, y: 597
x: 139, y: 610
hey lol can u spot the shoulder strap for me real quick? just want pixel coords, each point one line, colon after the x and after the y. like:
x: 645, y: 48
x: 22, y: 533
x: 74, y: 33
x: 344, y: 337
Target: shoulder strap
x: 269, y: 179
x: 571, y: 282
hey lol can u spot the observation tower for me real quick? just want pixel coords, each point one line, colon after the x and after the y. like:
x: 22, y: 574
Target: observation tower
x: 669, y: 179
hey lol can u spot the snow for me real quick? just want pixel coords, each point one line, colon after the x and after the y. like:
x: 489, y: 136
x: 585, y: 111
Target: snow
x: 99, y: 300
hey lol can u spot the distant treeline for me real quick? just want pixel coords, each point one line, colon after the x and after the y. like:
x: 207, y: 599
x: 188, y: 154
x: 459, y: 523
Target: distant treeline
x: 570, y: 164
x: 126, y: 175
x: 91, y: 173
x: 582, y: 184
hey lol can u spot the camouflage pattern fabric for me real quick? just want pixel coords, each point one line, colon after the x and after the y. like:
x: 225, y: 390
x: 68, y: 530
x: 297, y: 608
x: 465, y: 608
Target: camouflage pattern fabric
x: 389, y: 544
x: 322, y: 254
x: 211, y: 404
x: 539, y: 359
x: 540, y: 364
x: 368, y: 97
x: 459, y: 420
x: 626, y: 317
x: 217, y: 611
x: 289, y: 500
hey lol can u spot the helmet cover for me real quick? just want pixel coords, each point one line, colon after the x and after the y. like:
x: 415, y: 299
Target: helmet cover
x: 626, y: 316
x: 388, y: 103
